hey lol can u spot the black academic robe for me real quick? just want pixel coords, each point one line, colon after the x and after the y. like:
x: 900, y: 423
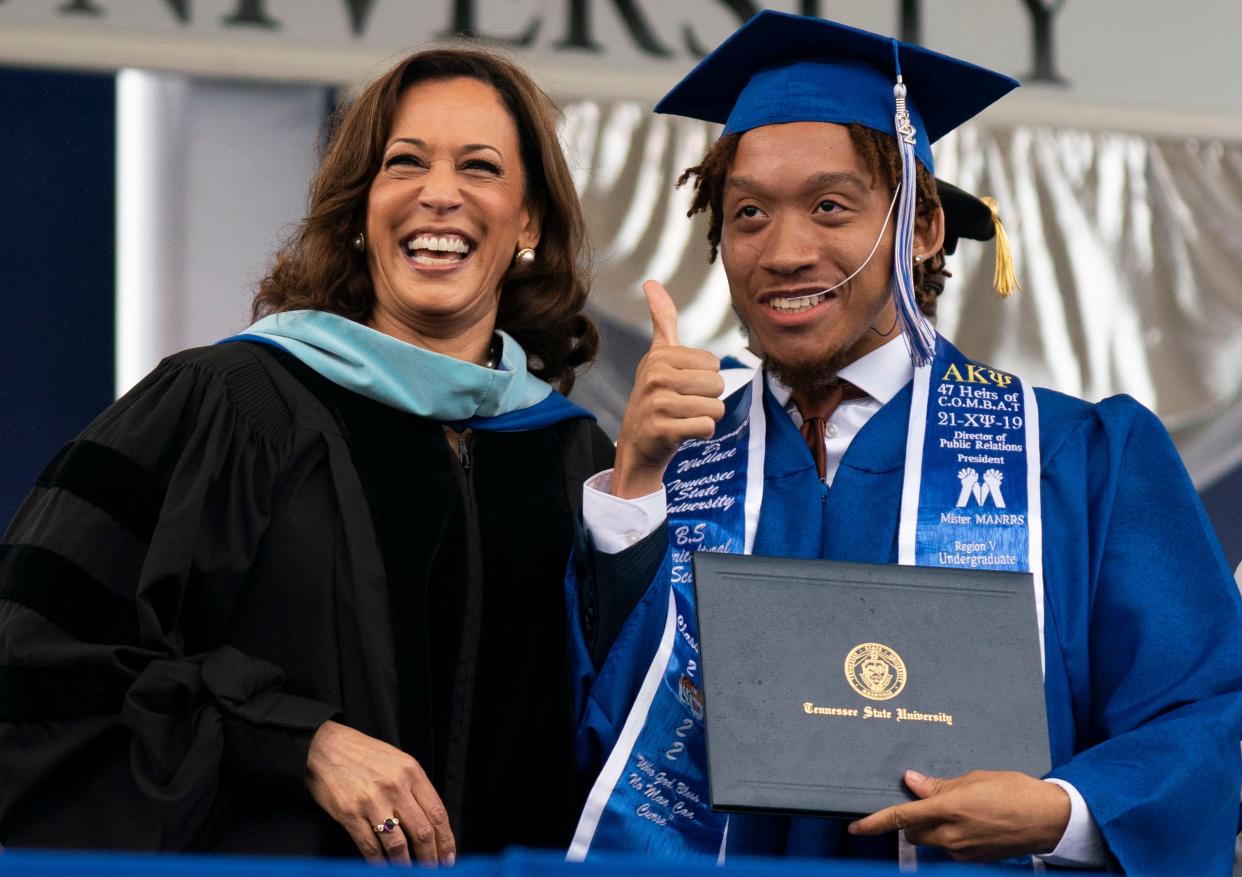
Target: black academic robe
x: 239, y: 550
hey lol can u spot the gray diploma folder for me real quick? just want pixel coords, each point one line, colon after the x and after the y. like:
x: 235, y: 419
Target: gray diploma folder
x: 825, y: 681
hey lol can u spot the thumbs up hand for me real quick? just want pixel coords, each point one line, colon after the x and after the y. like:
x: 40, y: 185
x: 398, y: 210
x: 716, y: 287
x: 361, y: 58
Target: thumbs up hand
x: 675, y: 398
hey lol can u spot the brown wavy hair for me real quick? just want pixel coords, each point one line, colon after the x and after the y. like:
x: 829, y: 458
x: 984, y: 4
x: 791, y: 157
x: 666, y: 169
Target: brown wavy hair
x: 879, y: 154
x: 540, y: 304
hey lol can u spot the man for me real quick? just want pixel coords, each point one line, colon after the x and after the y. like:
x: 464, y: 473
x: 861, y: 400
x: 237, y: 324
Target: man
x: 821, y: 200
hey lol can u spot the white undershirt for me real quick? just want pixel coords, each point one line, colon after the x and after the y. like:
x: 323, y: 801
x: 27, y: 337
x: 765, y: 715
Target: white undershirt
x: 614, y: 523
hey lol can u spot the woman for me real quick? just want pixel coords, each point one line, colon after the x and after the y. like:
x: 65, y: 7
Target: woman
x: 302, y: 592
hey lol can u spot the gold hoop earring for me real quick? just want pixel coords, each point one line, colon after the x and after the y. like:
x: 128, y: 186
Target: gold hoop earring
x: 525, y: 256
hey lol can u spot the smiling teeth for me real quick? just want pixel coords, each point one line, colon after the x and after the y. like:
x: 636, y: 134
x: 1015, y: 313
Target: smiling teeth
x: 801, y: 303
x: 446, y: 244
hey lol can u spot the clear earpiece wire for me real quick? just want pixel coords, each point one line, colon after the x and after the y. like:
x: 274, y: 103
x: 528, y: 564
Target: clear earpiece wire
x: 879, y: 237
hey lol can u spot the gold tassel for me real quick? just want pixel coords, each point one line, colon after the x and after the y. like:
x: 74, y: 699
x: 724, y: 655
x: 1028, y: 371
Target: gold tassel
x: 1005, y: 280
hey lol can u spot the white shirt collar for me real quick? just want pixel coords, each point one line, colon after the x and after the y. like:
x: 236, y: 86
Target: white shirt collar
x: 880, y: 374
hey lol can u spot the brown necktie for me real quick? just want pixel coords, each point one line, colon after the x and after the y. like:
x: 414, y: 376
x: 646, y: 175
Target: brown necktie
x: 815, y: 418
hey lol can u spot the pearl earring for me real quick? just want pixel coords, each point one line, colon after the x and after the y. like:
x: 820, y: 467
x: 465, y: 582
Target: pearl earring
x: 360, y: 242
x: 917, y: 258
x: 525, y: 256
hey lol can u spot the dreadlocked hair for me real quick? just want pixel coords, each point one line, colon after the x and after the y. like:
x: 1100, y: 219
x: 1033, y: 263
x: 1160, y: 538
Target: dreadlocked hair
x: 881, y: 157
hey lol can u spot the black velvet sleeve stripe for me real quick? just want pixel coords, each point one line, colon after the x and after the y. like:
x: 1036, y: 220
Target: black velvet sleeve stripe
x: 109, y: 480
x: 66, y: 595
x: 63, y: 692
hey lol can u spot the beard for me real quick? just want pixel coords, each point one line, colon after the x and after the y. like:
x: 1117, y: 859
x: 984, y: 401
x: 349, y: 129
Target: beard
x: 796, y: 376
x: 803, y: 377
x: 800, y: 377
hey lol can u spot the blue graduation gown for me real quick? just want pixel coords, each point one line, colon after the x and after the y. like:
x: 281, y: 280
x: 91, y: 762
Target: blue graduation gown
x: 1143, y: 624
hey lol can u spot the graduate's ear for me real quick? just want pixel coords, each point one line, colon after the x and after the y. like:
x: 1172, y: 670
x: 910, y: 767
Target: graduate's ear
x: 929, y: 234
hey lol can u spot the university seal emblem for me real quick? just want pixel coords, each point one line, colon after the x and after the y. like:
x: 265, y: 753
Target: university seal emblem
x: 875, y: 671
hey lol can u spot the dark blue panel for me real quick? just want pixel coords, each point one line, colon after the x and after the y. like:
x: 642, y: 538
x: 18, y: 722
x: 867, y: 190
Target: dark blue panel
x: 57, y: 190
x: 1223, y: 501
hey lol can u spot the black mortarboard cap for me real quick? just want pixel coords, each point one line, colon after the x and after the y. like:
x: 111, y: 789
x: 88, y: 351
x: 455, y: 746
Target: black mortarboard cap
x: 965, y: 216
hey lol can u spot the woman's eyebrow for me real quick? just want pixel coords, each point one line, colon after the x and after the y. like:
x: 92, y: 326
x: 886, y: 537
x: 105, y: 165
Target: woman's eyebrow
x: 422, y: 144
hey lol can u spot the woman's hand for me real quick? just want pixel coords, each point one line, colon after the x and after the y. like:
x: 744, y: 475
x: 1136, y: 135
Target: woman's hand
x: 675, y: 397
x: 361, y: 781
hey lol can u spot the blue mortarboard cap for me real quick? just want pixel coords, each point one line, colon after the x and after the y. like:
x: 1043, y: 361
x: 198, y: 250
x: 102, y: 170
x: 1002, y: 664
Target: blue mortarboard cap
x: 781, y: 68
